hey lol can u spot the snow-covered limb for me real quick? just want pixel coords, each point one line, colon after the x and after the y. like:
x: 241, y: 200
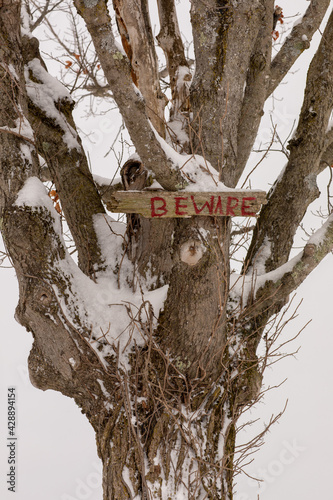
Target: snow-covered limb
x: 87, y: 305
x: 46, y: 92
x: 296, y: 42
x: 50, y: 115
x: 258, y: 292
x: 89, y: 317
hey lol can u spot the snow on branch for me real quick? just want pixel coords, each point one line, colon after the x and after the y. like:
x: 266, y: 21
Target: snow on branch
x: 84, y: 305
x: 50, y: 115
x: 33, y: 194
x: 46, y: 92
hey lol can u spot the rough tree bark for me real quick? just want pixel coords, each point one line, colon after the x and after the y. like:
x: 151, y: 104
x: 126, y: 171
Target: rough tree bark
x: 162, y: 386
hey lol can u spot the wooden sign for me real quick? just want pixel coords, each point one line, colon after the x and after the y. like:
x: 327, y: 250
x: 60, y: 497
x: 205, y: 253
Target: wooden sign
x: 161, y: 204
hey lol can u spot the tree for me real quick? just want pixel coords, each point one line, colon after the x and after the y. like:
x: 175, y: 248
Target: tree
x: 150, y: 332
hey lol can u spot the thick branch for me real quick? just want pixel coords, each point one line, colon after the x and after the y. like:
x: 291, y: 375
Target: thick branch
x: 275, y: 286
x: 105, y: 187
x: 297, y: 188
x: 129, y: 100
x: 255, y: 91
x: 223, y: 41
x: 327, y: 156
x: 60, y: 145
x: 62, y: 358
x: 298, y: 40
x: 136, y: 34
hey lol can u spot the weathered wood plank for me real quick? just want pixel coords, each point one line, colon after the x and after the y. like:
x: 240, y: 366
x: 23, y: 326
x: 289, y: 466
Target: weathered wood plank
x: 161, y: 204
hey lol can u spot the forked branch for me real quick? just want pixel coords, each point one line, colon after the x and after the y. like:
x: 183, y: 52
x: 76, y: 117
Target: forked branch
x: 255, y: 90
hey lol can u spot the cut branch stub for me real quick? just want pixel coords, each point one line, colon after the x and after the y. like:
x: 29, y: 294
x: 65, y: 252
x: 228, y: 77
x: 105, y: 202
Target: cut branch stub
x: 163, y: 204
x: 133, y: 175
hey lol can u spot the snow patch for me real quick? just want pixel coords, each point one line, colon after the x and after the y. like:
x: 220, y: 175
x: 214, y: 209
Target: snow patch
x: 105, y: 392
x: 242, y: 286
x: 318, y: 237
x: 262, y: 257
x: 178, y: 132
x: 105, y: 181
x: 22, y: 127
x: 112, y: 308
x: 33, y: 194
x: 72, y: 362
x: 196, y: 170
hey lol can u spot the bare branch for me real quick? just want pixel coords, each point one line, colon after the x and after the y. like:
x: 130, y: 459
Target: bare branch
x: 267, y: 150
x: 44, y: 12
x: 298, y: 41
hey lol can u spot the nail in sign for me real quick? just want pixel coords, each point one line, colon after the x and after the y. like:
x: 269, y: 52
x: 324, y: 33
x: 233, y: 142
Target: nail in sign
x: 162, y: 204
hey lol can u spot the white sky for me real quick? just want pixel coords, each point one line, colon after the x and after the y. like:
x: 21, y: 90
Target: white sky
x: 56, y: 450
